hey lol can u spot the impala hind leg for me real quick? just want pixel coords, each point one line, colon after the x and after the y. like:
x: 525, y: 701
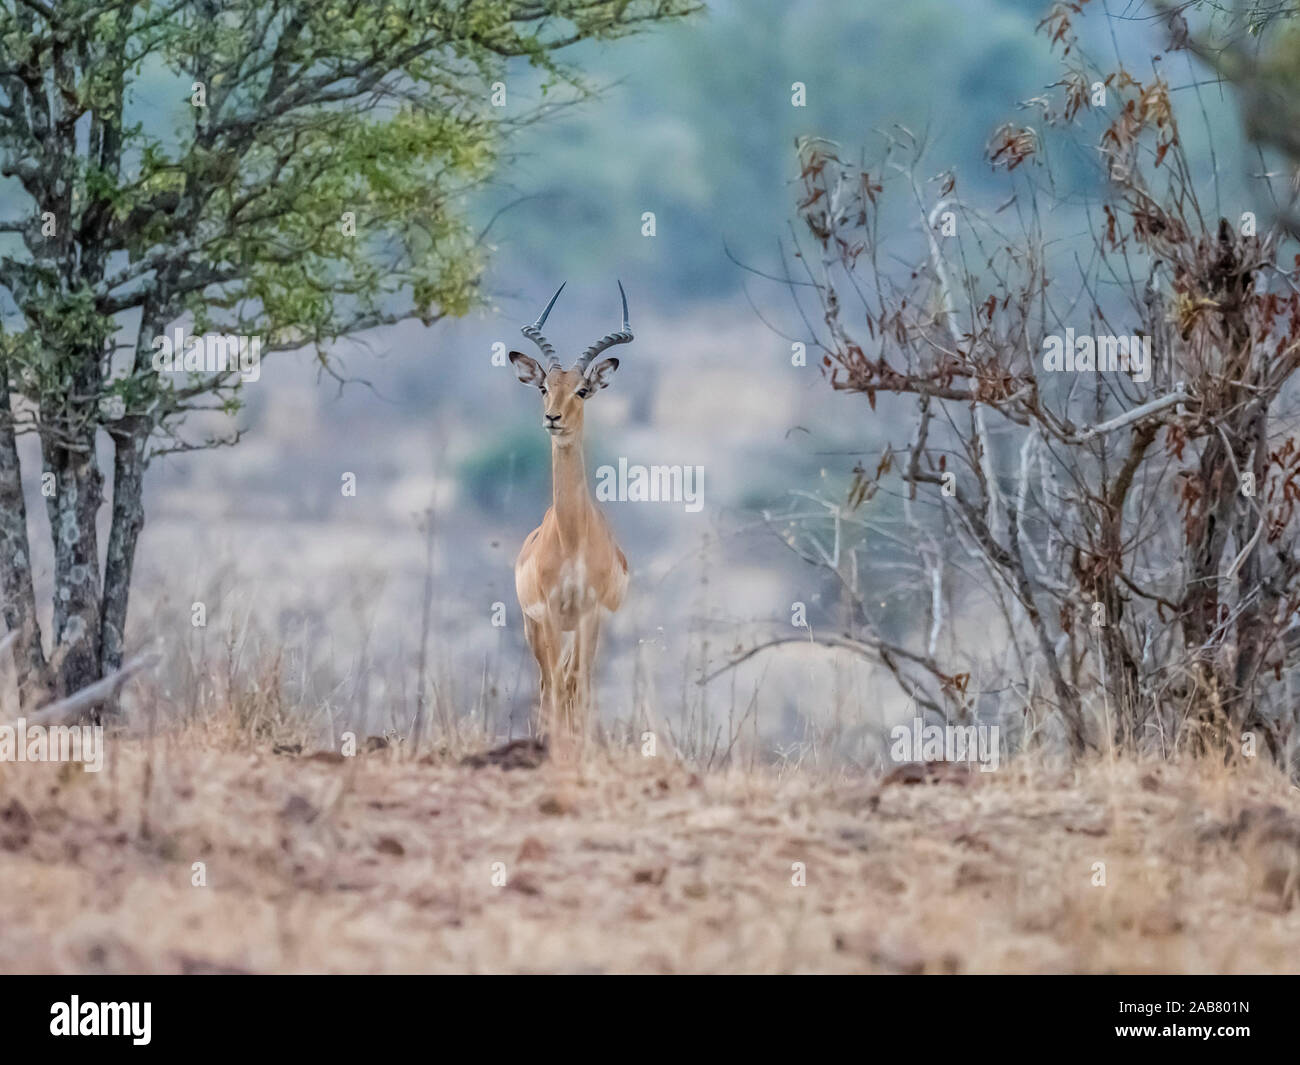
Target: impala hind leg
x: 584, y: 651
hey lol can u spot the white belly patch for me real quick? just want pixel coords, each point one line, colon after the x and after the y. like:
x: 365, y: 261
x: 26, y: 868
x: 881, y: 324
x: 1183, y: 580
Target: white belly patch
x: 572, y: 592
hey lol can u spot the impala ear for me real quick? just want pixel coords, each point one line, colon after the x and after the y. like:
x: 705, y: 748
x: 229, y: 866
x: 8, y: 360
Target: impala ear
x: 527, y: 369
x: 599, y: 374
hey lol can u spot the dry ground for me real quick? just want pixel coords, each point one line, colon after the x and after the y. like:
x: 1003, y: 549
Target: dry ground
x: 379, y: 863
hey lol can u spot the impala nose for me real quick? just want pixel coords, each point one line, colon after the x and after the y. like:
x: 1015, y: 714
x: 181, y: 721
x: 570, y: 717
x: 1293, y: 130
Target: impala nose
x: 552, y: 421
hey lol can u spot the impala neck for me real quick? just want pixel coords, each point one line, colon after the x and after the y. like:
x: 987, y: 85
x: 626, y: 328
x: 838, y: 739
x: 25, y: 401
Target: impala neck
x: 570, y: 496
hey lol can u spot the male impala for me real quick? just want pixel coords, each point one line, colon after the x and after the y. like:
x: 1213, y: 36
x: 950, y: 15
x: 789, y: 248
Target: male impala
x: 570, y: 568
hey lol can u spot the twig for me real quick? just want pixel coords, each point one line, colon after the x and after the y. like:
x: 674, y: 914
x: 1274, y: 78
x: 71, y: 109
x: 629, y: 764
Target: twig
x: 1137, y: 414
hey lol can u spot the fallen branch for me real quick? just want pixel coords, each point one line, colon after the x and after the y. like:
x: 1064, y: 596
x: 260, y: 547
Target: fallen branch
x: 77, y: 704
x: 876, y: 651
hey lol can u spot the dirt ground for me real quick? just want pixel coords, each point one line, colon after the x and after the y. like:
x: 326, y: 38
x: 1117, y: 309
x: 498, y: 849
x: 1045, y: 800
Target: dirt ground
x: 384, y: 864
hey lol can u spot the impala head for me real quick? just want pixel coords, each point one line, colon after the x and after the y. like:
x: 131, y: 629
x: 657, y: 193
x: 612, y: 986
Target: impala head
x: 565, y: 391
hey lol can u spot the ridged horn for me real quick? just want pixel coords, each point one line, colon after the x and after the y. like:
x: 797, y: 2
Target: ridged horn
x: 534, y: 332
x: 623, y: 336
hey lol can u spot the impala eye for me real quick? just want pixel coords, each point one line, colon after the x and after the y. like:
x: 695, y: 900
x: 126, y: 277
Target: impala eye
x: 583, y: 393
x: 543, y: 388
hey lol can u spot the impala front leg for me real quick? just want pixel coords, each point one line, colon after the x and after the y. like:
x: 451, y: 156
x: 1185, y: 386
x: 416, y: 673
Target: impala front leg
x: 543, y: 640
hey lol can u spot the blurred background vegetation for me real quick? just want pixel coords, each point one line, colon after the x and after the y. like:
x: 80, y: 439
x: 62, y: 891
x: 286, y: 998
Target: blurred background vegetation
x: 696, y: 124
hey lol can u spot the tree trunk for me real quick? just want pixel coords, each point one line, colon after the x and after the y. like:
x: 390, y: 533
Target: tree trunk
x: 73, y: 507
x: 19, y: 596
x: 1257, y: 600
x: 1216, y: 492
x: 1122, y: 679
x: 128, y: 521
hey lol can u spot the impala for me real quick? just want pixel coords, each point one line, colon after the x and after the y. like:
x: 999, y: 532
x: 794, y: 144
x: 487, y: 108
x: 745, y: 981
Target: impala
x: 570, y: 568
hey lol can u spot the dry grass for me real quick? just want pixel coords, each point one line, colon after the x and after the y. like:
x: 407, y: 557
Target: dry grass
x: 380, y: 864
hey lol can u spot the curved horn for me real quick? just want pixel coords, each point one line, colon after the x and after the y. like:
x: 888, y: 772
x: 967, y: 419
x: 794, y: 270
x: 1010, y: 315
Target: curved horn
x: 624, y: 336
x: 534, y: 332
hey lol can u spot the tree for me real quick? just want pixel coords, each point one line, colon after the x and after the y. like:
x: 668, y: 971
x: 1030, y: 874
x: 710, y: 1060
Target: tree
x: 1255, y: 47
x: 316, y: 190
x: 1122, y: 523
